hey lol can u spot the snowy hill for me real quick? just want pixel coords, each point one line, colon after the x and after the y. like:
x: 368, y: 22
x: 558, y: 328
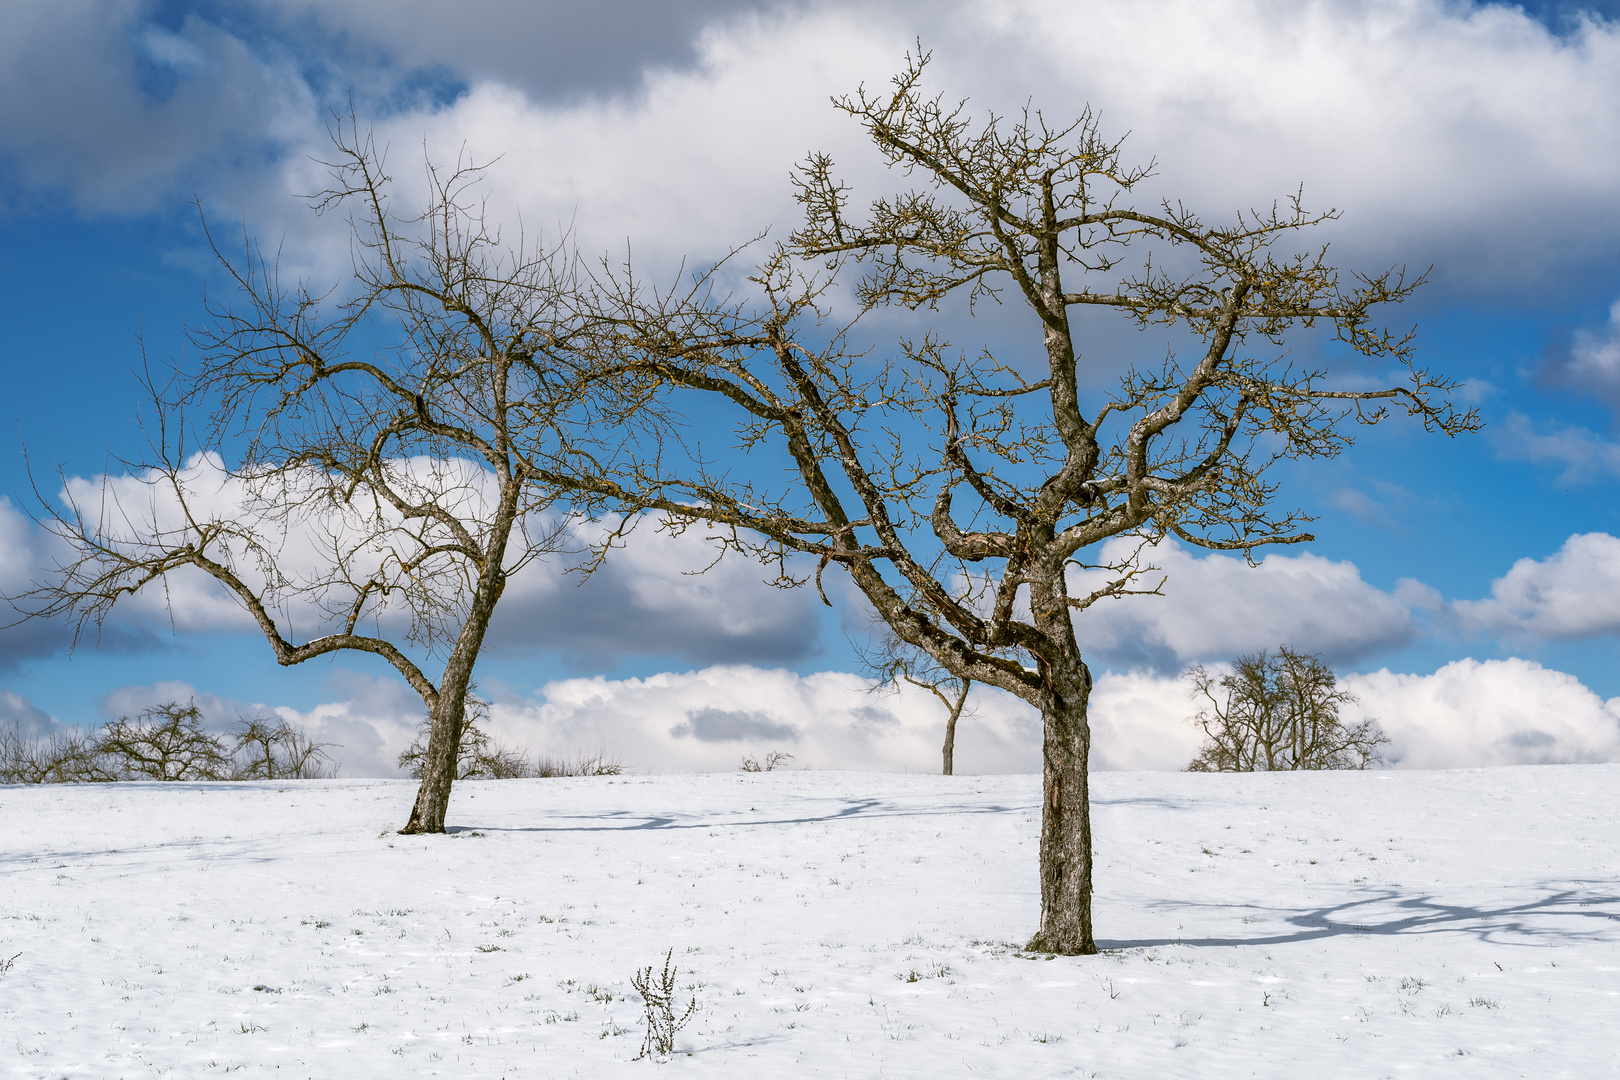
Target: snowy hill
x: 833, y: 924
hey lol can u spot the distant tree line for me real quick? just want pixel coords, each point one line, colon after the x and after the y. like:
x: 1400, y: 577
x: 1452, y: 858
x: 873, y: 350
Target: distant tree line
x: 165, y: 742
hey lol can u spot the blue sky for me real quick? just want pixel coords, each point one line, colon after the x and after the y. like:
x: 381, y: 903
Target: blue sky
x: 1481, y: 139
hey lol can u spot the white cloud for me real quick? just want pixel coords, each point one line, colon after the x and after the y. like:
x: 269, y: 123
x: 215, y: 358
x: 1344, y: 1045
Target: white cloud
x: 1594, y: 362
x: 1573, y: 593
x: 1139, y: 721
x: 25, y: 556
x: 1418, y: 117
x: 652, y: 596
x: 74, y: 114
x: 1421, y: 118
x: 1493, y: 712
x: 367, y: 726
x: 1216, y: 606
x: 1583, y: 454
x: 691, y: 164
x: 707, y: 720
x: 1469, y: 713
x: 20, y: 714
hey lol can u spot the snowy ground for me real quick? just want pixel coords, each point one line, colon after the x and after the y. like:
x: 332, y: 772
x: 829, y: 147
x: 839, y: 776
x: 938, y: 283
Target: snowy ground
x: 832, y: 924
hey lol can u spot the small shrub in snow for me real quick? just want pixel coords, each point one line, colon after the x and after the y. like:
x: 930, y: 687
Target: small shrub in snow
x: 773, y: 761
x: 658, y: 999
x: 482, y: 758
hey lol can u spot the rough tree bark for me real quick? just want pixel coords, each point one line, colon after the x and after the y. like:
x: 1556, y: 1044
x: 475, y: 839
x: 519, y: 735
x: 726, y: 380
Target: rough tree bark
x: 974, y: 508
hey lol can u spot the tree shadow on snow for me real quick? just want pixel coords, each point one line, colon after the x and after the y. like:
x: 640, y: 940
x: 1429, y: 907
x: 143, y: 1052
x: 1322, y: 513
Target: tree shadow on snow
x: 1568, y: 913
x: 630, y: 821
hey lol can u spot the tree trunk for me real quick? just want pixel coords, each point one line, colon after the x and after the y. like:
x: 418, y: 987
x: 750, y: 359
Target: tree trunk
x: 950, y: 725
x: 1065, y: 816
x: 439, y: 762
x: 449, y: 713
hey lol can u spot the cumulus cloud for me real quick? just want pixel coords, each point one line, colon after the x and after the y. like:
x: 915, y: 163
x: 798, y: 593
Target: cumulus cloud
x: 652, y: 596
x: 658, y: 595
x: 1493, y: 712
x: 1215, y: 606
x: 366, y: 725
x: 1573, y: 593
x: 20, y: 714
x: 24, y: 556
x: 708, y: 719
x: 1421, y: 118
x: 550, y: 49
x: 1593, y: 364
x: 370, y: 723
x: 116, y: 111
x: 1139, y: 722
x: 1469, y: 713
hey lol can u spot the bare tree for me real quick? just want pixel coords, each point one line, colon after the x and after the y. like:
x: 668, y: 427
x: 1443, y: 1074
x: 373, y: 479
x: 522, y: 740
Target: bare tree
x: 1279, y: 711
x: 893, y: 660
x: 164, y: 742
x: 269, y: 748
x: 968, y: 504
x: 479, y: 757
x: 773, y: 760
x: 389, y: 439
x: 63, y: 757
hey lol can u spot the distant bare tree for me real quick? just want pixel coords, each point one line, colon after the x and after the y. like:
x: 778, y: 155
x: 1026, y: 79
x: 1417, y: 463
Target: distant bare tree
x: 1279, y: 711
x: 894, y: 660
x: 164, y: 742
x: 482, y: 758
x: 479, y: 757
x: 63, y: 757
x: 392, y: 436
x: 269, y: 748
x: 772, y: 761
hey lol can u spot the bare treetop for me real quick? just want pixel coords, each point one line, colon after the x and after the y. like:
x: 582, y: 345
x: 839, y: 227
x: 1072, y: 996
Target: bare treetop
x: 391, y: 438
x: 959, y: 495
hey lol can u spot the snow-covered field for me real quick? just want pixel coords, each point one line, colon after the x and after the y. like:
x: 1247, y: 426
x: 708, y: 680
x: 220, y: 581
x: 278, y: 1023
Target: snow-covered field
x: 832, y: 924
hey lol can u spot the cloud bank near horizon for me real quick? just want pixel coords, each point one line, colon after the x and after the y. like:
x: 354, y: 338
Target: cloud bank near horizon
x: 1468, y: 714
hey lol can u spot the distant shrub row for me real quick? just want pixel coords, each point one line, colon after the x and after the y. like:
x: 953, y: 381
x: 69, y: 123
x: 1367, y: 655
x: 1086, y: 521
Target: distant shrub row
x: 165, y: 742
x: 482, y: 758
